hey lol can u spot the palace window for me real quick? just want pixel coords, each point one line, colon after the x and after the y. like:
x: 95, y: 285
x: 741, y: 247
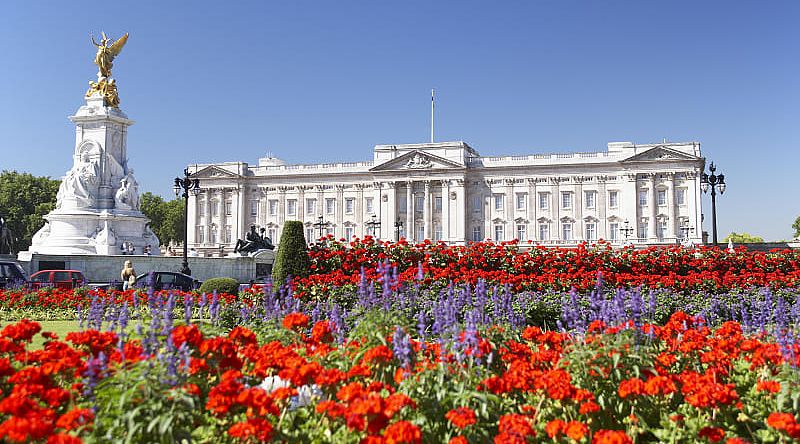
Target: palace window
x: 476, y: 234
x: 521, y: 199
x: 437, y: 203
x: 228, y: 235
x: 613, y: 199
x: 419, y: 204
x: 228, y: 208
x: 291, y: 207
x: 254, y: 208
x: 349, y: 233
x: 642, y: 198
x: 566, y: 231
x: 309, y: 235
x: 214, y: 208
x: 544, y: 201
x: 273, y: 207
x: 420, y: 233
x: 437, y: 231
x: 272, y: 233
x: 544, y: 232
x: 369, y: 207
x: 680, y: 196
x: 498, y: 201
x: 591, y: 231
x: 212, y: 235
x: 349, y: 205
x: 521, y: 232
x: 613, y: 231
x: 498, y: 233
x: 662, y: 229
x: 476, y: 204
x: 311, y: 206
x: 201, y: 235
x: 590, y: 199
x: 403, y: 205
x: 643, y: 229
x: 566, y: 200
x: 661, y: 197
x: 330, y: 206
x: 201, y: 208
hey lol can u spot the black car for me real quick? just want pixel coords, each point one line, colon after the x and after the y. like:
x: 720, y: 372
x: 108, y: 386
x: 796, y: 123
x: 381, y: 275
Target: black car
x: 12, y: 275
x: 167, y: 280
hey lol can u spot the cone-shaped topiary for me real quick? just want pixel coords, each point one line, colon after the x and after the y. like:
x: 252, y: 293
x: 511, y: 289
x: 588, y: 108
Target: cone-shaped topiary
x: 292, y: 258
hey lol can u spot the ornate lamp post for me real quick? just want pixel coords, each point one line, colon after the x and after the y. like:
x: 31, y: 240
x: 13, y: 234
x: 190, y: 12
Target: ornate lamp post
x: 397, y: 226
x: 713, y: 181
x: 627, y: 230
x: 373, y: 224
x: 320, y: 224
x: 187, y: 185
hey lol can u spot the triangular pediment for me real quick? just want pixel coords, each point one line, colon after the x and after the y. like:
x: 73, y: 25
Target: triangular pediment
x: 214, y: 172
x: 417, y: 160
x: 659, y: 153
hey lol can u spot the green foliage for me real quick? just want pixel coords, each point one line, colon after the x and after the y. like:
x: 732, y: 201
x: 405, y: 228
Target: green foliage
x: 166, y: 217
x: 796, y: 226
x: 742, y: 238
x: 24, y: 199
x: 292, y: 258
x: 220, y: 285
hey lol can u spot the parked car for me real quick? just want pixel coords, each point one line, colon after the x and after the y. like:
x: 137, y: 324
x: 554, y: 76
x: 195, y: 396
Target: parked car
x: 63, y: 279
x: 12, y: 274
x: 168, y: 280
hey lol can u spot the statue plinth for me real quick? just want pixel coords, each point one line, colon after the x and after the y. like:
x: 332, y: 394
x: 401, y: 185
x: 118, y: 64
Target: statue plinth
x: 97, y: 207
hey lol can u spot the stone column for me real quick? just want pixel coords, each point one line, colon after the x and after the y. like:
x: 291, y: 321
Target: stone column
x: 653, y: 224
x: 579, y: 229
x: 427, y: 210
x: 359, y: 216
x: 531, y: 208
x: 339, y: 217
x: 600, y: 204
x: 281, y: 211
x: 694, y: 205
x: 671, y: 222
x: 446, y: 211
x: 301, y: 205
x: 389, y: 217
x: 242, y: 214
x: 410, y: 211
x: 556, y: 210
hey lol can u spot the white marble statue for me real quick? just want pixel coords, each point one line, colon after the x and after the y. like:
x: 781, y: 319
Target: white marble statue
x: 127, y: 195
x: 80, y: 184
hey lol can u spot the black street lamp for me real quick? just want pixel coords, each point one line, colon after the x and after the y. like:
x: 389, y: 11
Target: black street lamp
x: 397, y: 226
x: 627, y: 230
x: 187, y: 185
x: 320, y: 224
x: 713, y: 181
x: 373, y: 224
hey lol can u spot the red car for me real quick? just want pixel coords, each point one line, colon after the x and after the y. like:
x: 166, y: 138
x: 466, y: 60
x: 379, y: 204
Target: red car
x: 64, y: 279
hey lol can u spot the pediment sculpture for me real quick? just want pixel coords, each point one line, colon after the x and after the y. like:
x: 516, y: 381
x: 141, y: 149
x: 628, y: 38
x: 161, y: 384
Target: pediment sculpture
x: 419, y: 161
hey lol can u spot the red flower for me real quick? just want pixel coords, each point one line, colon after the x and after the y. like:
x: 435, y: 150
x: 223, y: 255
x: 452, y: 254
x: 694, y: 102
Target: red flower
x: 713, y: 434
x: 631, y: 387
x: 258, y: 428
x: 611, y: 437
x: 75, y: 418
x: 295, y: 320
x: 461, y: 417
x: 402, y: 432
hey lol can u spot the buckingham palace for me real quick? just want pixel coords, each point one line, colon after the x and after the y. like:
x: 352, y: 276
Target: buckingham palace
x: 446, y: 191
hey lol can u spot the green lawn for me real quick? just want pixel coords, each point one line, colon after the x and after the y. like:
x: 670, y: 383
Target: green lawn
x: 61, y: 328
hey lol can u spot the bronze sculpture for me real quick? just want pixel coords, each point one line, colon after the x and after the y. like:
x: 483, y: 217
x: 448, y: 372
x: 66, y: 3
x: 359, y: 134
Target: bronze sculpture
x: 253, y: 242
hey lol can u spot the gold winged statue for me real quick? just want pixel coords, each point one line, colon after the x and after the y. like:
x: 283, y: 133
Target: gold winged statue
x: 105, y: 54
x: 104, y: 59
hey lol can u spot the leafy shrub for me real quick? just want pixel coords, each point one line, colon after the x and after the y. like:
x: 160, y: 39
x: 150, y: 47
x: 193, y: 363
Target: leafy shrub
x: 292, y: 258
x: 221, y: 285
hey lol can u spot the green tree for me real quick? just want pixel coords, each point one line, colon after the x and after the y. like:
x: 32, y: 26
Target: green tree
x: 292, y: 257
x: 166, y: 217
x: 796, y: 226
x: 24, y: 199
x: 742, y: 238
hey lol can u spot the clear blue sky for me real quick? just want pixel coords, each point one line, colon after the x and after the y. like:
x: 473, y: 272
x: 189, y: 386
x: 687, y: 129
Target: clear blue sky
x: 325, y: 81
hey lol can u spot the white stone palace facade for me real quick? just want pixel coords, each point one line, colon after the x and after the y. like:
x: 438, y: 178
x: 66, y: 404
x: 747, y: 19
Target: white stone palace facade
x: 640, y: 194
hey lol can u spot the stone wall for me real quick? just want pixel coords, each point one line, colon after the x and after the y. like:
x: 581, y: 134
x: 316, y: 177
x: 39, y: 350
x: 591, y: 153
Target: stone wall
x: 107, y: 268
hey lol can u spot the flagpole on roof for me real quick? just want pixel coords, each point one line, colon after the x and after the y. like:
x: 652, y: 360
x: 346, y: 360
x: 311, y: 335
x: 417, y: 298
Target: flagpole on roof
x: 433, y: 105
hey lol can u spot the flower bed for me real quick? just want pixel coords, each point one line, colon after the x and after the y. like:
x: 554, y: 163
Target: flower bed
x: 336, y: 264
x: 407, y: 365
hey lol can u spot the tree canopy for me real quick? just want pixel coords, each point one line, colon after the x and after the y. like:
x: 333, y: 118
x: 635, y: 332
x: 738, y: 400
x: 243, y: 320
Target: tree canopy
x: 796, y: 226
x: 166, y: 217
x: 24, y: 199
x: 742, y: 238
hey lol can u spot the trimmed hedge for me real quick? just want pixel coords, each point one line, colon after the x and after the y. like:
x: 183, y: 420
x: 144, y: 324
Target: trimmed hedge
x: 221, y: 285
x: 292, y: 258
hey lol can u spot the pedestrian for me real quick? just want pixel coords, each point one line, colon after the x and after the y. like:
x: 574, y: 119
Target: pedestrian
x: 128, y: 276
